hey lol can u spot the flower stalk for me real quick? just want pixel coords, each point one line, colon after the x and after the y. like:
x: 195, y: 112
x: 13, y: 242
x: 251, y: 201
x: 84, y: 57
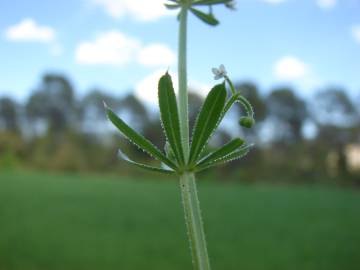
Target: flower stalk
x: 181, y: 157
x: 182, y: 75
x: 193, y: 219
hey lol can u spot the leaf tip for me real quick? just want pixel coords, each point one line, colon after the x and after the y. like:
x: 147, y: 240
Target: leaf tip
x: 105, y: 105
x: 240, y: 141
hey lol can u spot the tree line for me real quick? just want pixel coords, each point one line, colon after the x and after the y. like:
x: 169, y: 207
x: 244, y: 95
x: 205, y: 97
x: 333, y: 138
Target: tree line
x: 297, y: 139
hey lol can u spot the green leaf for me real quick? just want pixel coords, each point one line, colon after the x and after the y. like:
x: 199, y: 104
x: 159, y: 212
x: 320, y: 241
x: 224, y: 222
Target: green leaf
x: 170, y: 116
x: 169, y: 152
x: 222, y: 152
x: 210, y: 2
x: 123, y: 156
x: 207, y: 120
x: 237, y: 154
x: 138, y: 139
x: 206, y: 18
x: 172, y: 6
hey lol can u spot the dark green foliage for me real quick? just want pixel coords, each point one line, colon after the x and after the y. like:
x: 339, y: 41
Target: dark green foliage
x: 53, y: 103
x: 9, y: 119
x: 334, y: 107
x: 289, y: 110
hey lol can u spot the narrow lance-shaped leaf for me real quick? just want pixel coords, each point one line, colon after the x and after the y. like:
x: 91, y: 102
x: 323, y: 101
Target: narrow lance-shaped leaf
x: 237, y: 154
x: 170, y: 116
x: 138, y: 139
x: 172, y: 6
x: 169, y: 152
x: 207, y: 120
x: 123, y: 156
x: 206, y: 18
x: 222, y: 152
x: 210, y: 2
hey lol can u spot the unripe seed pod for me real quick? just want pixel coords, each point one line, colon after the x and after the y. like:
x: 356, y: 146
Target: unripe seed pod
x: 247, y: 121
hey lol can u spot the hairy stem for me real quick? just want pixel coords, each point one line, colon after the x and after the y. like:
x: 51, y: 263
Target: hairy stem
x: 187, y: 179
x: 183, y: 96
x: 232, y: 88
x: 194, y: 222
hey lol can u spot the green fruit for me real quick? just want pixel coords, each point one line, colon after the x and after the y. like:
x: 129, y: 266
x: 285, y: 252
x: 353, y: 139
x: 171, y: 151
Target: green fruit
x: 246, y: 121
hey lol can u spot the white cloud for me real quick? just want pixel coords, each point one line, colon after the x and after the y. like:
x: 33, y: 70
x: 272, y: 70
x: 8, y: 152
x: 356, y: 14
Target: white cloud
x: 156, y: 55
x: 147, y: 88
x: 115, y: 48
x: 29, y: 30
x: 141, y: 10
x: 200, y: 88
x: 111, y: 48
x: 326, y: 4
x: 290, y: 68
x: 355, y: 32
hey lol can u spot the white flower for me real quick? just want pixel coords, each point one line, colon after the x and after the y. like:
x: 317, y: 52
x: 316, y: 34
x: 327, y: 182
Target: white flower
x: 219, y: 72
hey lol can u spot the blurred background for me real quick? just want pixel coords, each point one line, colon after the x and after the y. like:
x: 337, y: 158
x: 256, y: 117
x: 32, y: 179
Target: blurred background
x: 68, y: 202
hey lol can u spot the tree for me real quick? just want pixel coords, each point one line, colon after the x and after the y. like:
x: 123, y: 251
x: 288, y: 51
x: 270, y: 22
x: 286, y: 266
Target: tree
x: 333, y: 106
x: 288, y: 113
x: 336, y: 118
x: 8, y: 115
x: 135, y: 110
x: 92, y: 109
x: 11, y: 141
x: 53, y: 104
x: 251, y: 92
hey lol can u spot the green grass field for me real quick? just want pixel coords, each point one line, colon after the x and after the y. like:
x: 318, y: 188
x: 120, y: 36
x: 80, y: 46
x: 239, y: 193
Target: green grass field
x: 58, y: 222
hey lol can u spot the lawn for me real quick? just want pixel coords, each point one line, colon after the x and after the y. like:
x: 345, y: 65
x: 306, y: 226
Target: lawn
x: 58, y: 222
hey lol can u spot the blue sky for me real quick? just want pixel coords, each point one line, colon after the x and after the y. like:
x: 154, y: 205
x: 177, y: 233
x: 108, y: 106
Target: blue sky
x: 124, y: 45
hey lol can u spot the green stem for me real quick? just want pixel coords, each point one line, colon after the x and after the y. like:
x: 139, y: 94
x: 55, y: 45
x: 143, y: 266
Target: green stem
x: 194, y: 222
x: 183, y: 96
x: 248, y: 108
x: 232, y: 88
x: 187, y: 179
x: 228, y: 105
